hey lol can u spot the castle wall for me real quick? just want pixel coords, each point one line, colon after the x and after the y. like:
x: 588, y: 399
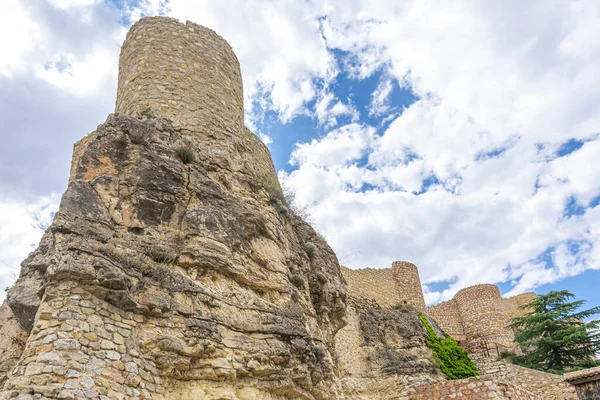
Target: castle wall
x: 447, y: 315
x: 184, y: 72
x: 513, y: 304
x: 484, y: 317
x: 472, y: 389
x: 408, y: 285
x: 373, y: 284
x: 477, y: 317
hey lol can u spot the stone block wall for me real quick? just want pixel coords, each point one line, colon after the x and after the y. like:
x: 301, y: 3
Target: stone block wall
x: 183, y: 72
x: 447, y: 315
x: 472, y: 389
x: 12, y: 341
x: 547, y: 386
x: 513, y: 304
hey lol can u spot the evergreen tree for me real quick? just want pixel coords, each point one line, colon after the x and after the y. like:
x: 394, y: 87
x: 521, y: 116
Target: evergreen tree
x: 554, y: 336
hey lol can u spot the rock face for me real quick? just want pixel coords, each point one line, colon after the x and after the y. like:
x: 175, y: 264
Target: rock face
x: 12, y: 341
x: 174, y: 268
x: 382, y: 351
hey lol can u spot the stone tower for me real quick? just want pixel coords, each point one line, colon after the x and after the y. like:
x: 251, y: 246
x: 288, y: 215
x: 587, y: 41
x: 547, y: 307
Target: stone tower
x: 174, y: 268
x: 408, y: 285
x: 183, y: 72
x: 484, y: 317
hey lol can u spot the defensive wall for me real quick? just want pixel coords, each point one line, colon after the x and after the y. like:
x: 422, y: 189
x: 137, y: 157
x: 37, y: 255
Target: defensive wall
x: 477, y: 317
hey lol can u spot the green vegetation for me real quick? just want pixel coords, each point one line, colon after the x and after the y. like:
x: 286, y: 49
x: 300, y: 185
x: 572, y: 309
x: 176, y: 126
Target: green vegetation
x: 554, y: 335
x: 453, y: 360
x: 186, y: 154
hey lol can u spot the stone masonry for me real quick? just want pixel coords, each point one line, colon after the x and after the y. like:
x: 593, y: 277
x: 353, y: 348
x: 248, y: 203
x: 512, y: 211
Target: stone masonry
x: 477, y: 316
x: 479, y: 388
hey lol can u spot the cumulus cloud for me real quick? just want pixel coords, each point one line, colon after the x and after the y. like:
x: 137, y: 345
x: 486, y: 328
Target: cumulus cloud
x: 21, y: 227
x: 467, y: 182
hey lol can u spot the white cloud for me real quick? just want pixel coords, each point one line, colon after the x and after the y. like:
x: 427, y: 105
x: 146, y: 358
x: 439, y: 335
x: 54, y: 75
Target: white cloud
x: 500, y: 88
x: 380, y: 98
x: 66, y: 4
x: 19, y: 32
x: 338, y: 148
x: 21, y: 227
x: 328, y: 109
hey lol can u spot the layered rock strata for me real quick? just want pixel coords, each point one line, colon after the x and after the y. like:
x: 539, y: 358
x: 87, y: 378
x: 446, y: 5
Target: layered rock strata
x: 174, y: 268
x: 382, y: 352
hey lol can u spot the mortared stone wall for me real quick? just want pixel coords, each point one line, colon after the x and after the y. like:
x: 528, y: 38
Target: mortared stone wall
x: 477, y: 317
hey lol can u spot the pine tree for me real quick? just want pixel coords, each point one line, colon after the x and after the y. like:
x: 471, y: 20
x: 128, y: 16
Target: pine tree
x: 554, y: 336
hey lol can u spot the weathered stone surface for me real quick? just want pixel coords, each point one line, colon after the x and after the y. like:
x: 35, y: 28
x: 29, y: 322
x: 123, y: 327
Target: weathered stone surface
x: 382, y: 351
x: 12, y: 341
x: 163, y: 275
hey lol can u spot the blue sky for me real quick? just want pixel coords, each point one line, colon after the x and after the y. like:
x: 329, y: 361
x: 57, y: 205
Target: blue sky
x: 462, y: 137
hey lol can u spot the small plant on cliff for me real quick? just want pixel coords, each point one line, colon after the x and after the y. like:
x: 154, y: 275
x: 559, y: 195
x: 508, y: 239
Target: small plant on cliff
x: 186, y: 154
x: 453, y: 360
x: 555, y: 336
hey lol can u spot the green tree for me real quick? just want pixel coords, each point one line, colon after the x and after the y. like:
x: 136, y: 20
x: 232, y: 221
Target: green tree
x: 553, y: 334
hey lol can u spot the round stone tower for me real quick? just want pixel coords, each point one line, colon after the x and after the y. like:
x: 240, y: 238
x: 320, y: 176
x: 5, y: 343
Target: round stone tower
x: 183, y: 72
x: 408, y: 285
x: 485, y: 319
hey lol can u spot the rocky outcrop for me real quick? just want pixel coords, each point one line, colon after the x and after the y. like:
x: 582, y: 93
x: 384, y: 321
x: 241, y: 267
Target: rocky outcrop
x: 12, y: 341
x: 161, y: 272
x: 382, y: 351
x: 174, y: 268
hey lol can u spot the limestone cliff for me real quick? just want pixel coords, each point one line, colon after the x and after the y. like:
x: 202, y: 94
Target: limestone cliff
x: 174, y: 268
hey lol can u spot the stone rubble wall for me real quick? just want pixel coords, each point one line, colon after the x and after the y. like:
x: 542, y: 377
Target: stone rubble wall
x: 513, y: 304
x: 547, y: 386
x: 484, y: 317
x: 472, y: 389
x: 83, y: 347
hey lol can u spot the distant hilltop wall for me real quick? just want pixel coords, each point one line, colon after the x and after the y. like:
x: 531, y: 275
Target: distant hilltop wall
x: 477, y: 316
x: 183, y: 72
x: 399, y: 285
